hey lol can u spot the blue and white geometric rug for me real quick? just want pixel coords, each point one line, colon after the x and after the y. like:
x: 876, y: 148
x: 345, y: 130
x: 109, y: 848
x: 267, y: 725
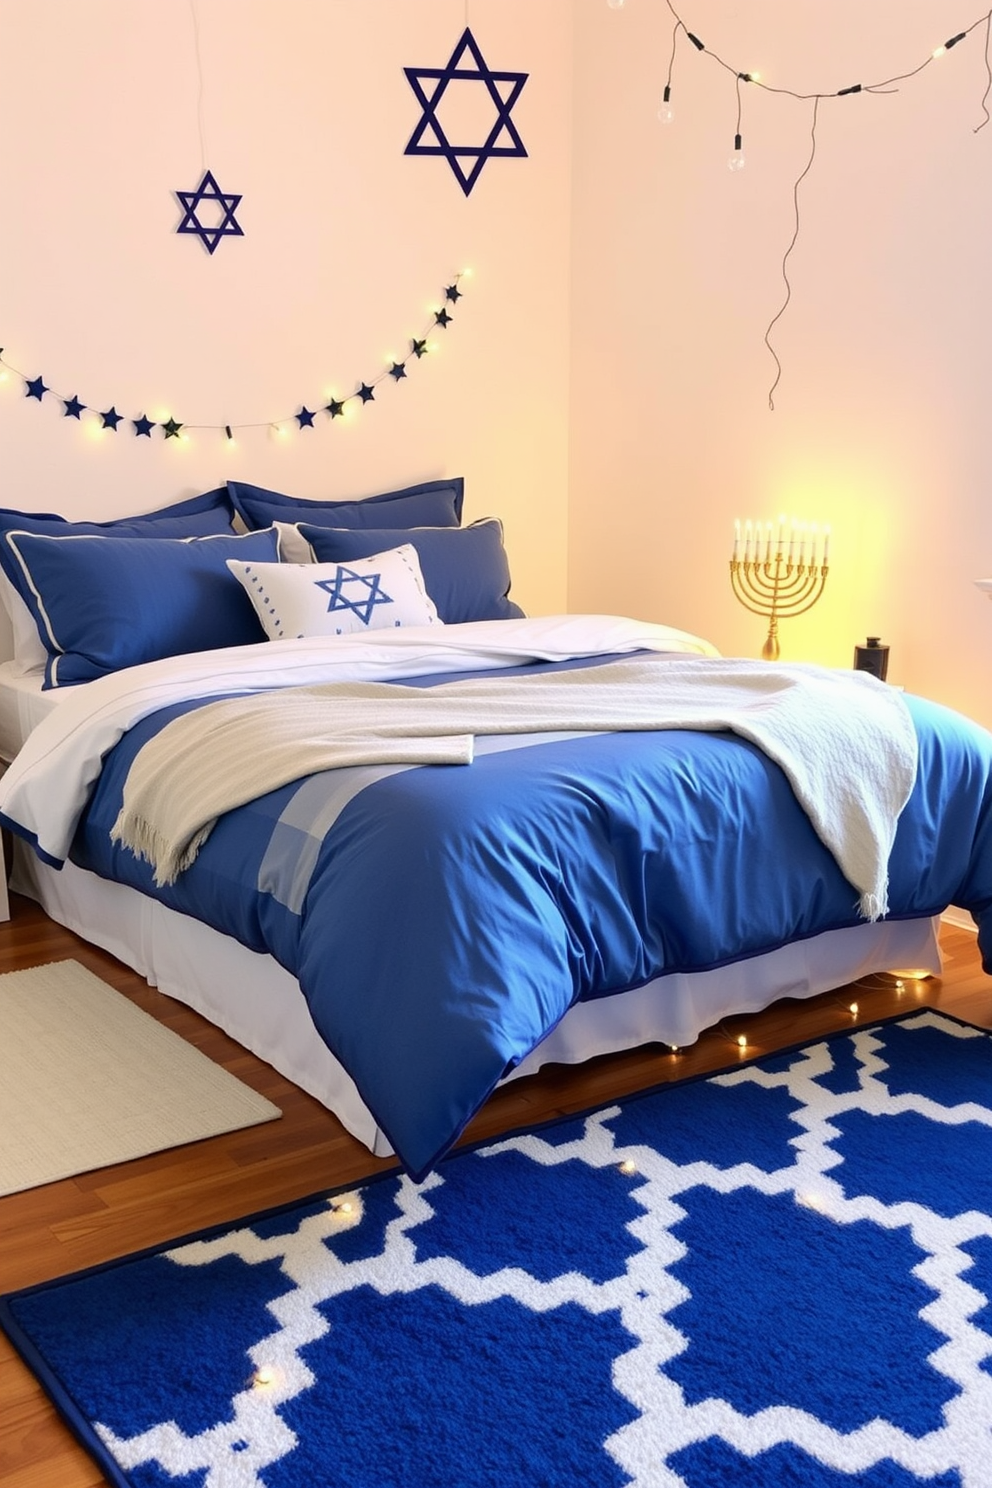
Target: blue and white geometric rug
x: 777, y: 1276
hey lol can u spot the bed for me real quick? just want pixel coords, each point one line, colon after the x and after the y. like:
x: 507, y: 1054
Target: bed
x: 399, y: 934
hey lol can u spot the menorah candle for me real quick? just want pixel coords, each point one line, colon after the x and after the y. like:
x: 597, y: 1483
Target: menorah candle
x: 770, y: 582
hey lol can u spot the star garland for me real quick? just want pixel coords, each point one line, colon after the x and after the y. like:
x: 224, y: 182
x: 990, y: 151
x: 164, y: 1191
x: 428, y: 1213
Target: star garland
x: 743, y: 79
x: 305, y: 418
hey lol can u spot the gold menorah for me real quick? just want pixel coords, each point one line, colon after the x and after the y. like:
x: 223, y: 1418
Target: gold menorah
x: 773, y: 575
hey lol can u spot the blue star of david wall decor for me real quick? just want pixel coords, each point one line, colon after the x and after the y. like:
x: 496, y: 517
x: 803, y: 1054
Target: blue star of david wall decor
x: 429, y: 137
x: 365, y: 604
x: 208, y: 192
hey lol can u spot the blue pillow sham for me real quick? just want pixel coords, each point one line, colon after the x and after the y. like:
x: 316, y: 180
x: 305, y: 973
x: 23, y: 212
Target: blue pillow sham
x: 199, y: 516
x: 431, y: 504
x: 466, y: 570
x: 103, y: 603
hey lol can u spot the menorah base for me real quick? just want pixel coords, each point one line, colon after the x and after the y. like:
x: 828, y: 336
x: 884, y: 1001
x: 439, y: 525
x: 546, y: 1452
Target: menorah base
x: 771, y: 650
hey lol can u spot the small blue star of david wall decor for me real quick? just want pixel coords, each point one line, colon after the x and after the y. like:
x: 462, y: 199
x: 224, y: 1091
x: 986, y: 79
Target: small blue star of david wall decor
x: 365, y: 585
x: 429, y: 137
x: 209, y: 233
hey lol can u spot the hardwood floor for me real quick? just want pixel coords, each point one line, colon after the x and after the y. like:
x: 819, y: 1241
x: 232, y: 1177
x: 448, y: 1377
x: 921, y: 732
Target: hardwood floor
x: 53, y: 1230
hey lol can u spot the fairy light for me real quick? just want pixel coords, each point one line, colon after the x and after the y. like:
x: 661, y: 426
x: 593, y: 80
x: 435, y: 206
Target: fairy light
x: 740, y: 1039
x: 812, y: 1200
x: 167, y: 426
x: 263, y: 1377
x: 627, y: 1166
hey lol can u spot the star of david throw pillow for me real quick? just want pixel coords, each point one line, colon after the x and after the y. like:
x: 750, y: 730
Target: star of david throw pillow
x: 380, y: 592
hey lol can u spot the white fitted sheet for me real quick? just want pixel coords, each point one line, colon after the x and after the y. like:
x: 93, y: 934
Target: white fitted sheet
x: 23, y: 704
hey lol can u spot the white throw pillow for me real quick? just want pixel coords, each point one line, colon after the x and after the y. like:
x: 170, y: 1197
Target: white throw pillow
x: 307, y: 599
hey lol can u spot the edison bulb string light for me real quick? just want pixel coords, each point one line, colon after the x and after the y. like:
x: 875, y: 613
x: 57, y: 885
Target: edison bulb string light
x: 736, y: 161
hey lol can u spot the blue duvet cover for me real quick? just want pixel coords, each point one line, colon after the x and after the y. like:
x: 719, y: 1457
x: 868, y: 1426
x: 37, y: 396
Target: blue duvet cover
x: 441, y: 920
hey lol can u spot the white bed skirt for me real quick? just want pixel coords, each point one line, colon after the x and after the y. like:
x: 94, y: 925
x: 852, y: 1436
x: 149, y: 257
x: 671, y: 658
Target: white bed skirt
x: 260, y: 1005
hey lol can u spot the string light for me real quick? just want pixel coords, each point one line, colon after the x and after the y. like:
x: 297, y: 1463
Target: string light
x: 305, y: 418
x: 736, y: 160
x: 627, y: 1166
x: 740, y: 1039
x: 883, y: 85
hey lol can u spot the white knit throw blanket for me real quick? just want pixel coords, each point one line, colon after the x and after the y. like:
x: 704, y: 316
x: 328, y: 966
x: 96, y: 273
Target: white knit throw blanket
x: 845, y: 741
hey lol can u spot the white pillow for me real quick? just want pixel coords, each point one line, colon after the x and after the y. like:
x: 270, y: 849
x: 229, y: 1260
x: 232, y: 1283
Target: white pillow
x: 28, y: 648
x: 308, y: 599
x: 293, y: 546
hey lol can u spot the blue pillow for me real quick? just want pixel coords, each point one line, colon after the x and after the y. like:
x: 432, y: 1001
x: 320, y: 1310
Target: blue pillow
x: 102, y: 603
x: 466, y: 572
x: 199, y: 516
x: 431, y: 504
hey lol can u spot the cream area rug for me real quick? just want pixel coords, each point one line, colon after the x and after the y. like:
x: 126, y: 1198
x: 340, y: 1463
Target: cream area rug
x: 87, y: 1079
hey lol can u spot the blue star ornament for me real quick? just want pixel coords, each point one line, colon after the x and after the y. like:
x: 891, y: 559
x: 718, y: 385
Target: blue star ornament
x: 429, y: 137
x: 365, y: 586
x: 223, y: 205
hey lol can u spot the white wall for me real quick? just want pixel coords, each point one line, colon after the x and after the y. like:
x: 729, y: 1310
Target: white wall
x: 604, y: 386
x: 881, y: 418
x: 348, y: 243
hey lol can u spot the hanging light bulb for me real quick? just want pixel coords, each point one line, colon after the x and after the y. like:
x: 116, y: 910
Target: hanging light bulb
x: 736, y: 161
x: 665, y: 111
